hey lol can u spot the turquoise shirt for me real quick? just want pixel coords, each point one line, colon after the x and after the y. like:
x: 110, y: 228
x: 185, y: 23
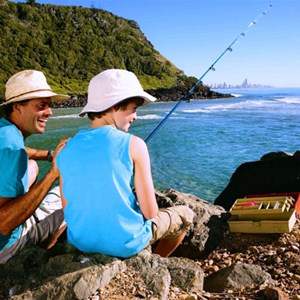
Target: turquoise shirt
x: 102, y: 213
x: 13, y: 170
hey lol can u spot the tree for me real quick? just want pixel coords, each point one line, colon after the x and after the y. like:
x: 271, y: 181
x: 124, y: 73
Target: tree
x: 31, y: 2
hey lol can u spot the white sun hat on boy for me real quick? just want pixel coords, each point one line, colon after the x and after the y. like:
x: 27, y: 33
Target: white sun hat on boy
x: 111, y: 87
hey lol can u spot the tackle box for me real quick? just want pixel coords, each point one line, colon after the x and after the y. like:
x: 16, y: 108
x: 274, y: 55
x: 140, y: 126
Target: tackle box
x: 269, y: 213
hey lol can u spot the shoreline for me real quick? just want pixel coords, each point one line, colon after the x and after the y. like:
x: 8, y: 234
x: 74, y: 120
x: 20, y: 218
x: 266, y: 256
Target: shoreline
x: 162, y: 95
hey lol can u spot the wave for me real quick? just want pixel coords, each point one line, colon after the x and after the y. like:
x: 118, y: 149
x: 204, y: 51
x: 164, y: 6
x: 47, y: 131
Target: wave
x: 74, y: 116
x: 198, y: 110
x: 243, y: 105
x: 288, y: 100
x: 145, y: 117
x: 149, y: 117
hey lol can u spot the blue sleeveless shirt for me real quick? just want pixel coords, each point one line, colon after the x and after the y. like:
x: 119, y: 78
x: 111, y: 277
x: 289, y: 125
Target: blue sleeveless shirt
x: 102, y: 213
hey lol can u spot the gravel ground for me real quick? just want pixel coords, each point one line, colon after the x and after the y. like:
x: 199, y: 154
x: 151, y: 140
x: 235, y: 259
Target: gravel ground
x: 278, y: 254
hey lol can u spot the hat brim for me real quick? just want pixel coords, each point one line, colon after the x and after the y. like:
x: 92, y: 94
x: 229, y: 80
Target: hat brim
x: 40, y: 94
x: 90, y: 108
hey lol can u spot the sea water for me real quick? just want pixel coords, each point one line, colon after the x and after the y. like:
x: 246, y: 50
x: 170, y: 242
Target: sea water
x: 203, y: 142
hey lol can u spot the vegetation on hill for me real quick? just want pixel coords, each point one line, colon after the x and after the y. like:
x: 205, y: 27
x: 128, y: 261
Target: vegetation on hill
x: 71, y: 44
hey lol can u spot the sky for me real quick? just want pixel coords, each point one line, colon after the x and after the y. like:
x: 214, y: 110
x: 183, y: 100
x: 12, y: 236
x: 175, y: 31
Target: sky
x: 192, y: 34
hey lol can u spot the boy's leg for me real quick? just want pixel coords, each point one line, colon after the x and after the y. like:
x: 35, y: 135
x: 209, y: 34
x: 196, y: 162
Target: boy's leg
x: 169, y: 228
x: 166, y: 247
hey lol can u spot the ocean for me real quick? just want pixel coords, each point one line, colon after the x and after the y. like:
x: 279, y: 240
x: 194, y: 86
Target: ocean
x: 203, y: 142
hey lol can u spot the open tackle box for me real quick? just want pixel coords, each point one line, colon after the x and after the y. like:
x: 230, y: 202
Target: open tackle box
x: 270, y: 213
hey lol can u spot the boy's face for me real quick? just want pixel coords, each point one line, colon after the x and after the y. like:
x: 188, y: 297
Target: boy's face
x: 125, y: 117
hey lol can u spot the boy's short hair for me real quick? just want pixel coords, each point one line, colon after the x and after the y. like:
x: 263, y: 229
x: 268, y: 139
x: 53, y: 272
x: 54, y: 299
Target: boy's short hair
x: 119, y: 106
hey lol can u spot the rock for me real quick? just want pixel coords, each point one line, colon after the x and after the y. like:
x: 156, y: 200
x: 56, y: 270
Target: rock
x: 275, y: 155
x: 273, y: 293
x: 186, y: 274
x: 157, y: 273
x: 76, y: 285
x: 175, y: 93
x: 158, y: 281
x: 154, y: 272
x: 277, y: 175
x: 235, y: 276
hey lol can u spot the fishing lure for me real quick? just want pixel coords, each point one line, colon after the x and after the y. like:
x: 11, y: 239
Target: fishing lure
x: 211, y: 68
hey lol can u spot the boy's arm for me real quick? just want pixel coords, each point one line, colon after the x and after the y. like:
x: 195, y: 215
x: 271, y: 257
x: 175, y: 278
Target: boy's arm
x: 142, y: 178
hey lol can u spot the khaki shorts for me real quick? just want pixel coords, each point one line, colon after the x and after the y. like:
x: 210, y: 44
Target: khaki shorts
x: 47, y: 219
x: 171, y: 222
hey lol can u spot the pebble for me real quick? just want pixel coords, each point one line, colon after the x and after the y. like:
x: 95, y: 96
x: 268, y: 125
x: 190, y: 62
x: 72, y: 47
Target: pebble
x: 295, y: 248
x: 296, y: 277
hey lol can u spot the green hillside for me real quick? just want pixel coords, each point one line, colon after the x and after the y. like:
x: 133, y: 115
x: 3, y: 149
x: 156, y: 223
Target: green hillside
x: 72, y: 44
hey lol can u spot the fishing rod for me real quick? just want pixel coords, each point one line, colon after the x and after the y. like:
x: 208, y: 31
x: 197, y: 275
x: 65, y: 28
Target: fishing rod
x: 211, y: 68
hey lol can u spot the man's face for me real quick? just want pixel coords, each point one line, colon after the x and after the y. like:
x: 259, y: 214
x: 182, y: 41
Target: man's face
x: 33, y: 115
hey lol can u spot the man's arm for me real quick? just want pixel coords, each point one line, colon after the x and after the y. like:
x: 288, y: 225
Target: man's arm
x: 38, y: 154
x: 15, y: 211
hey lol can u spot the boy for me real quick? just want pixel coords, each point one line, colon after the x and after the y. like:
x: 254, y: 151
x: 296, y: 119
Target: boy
x: 106, y: 184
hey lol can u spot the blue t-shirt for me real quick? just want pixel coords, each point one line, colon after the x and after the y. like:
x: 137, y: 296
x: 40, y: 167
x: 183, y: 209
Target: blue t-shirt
x: 13, y: 170
x: 102, y: 213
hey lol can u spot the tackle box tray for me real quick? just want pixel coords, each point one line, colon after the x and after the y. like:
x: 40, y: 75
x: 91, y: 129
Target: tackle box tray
x: 269, y: 213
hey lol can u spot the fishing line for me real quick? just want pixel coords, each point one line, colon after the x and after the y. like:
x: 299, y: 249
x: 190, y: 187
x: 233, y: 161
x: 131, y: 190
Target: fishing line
x: 211, y: 68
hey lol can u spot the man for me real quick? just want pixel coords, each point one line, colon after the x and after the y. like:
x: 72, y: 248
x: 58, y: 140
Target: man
x: 106, y: 182
x: 23, y: 217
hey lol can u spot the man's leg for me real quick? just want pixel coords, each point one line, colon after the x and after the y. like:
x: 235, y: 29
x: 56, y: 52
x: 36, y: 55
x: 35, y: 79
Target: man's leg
x: 33, y: 171
x: 45, y: 225
x: 48, y: 221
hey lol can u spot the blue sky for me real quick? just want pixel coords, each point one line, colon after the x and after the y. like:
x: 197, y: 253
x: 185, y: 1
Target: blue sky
x: 193, y: 33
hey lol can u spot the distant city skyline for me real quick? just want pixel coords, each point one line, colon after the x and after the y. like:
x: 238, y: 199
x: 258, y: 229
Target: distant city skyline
x: 244, y: 85
x: 193, y: 33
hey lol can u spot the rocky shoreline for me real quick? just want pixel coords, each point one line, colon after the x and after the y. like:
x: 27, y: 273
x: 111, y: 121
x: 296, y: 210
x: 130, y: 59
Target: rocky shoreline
x: 162, y: 95
x: 211, y: 263
x: 276, y: 254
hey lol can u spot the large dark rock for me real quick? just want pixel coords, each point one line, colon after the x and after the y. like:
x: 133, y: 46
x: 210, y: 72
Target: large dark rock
x: 274, y: 173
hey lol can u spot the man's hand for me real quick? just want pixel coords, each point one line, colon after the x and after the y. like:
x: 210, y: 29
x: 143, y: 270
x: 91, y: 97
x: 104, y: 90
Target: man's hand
x: 59, y: 147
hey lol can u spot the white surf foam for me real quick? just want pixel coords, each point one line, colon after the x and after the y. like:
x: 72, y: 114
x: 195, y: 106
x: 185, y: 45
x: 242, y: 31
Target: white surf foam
x: 74, y: 116
x: 150, y: 117
x: 243, y: 105
x: 289, y: 100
